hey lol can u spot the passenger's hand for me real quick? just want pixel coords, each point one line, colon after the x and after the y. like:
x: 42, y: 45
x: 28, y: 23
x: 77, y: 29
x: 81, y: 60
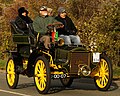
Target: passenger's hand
x: 50, y: 26
x: 58, y: 25
x: 61, y: 26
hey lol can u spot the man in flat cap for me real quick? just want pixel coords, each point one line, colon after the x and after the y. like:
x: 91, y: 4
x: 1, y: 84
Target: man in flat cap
x: 40, y: 24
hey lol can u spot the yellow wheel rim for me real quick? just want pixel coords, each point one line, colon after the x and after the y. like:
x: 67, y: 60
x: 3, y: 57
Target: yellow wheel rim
x: 10, y: 72
x: 102, y: 79
x: 40, y: 75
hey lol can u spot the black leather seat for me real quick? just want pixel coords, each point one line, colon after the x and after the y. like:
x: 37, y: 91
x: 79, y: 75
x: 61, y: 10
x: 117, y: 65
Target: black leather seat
x: 24, y: 42
x: 19, y: 36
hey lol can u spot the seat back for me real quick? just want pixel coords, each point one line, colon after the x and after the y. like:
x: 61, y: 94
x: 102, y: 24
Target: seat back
x: 15, y: 29
x: 18, y: 35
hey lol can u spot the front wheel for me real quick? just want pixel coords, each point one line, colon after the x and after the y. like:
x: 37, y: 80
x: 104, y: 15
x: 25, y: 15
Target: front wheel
x: 42, y: 74
x: 105, y: 74
x: 11, y: 76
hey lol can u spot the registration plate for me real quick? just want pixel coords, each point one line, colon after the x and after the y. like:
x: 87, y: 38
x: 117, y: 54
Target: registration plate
x: 96, y: 57
x: 57, y: 76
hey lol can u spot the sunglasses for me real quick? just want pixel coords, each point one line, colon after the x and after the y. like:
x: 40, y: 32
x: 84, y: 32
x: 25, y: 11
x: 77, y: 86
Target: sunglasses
x: 63, y: 12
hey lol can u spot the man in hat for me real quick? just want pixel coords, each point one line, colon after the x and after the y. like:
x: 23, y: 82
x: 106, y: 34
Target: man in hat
x: 68, y: 32
x: 22, y: 20
x: 40, y: 24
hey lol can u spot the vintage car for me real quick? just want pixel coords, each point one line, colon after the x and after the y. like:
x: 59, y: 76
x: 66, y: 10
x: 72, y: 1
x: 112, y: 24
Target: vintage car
x: 60, y: 62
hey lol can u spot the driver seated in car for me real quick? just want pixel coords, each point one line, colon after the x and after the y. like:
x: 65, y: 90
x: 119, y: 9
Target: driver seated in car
x: 40, y: 24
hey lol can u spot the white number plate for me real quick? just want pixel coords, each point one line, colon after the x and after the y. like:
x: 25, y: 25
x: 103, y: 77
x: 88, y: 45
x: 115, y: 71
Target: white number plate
x: 96, y: 57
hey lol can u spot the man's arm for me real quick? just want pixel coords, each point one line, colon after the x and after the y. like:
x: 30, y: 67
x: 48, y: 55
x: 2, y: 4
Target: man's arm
x: 72, y: 30
x: 36, y: 25
x: 73, y: 26
x: 57, y: 23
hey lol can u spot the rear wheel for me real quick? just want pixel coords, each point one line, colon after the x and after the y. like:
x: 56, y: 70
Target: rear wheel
x: 11, y: 76
x: 42, y: 74
x: 105, y: 74
x: 66, y: 82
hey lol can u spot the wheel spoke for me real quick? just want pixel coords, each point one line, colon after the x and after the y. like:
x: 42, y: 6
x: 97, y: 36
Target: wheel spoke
x: 38, y: 65
x: 102, y: 81
x: 106, y: 74
x: 105, y: 66
x: 42, y: 65
x: 42, y: 84
x: 106, y: 78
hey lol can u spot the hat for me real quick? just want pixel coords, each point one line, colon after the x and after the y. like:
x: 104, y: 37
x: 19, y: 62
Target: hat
x: 43, y: 8
x: 61, y: 10
x: 22, y: 10
x: 49, y: 10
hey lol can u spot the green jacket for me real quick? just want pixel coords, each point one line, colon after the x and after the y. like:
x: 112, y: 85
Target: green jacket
x: 40, y: 24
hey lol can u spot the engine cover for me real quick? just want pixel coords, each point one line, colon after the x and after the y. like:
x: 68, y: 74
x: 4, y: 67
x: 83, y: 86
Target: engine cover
x: 78, y: 59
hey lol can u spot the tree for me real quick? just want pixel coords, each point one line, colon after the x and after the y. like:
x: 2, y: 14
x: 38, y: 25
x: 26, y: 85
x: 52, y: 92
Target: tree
x: 97, y: 21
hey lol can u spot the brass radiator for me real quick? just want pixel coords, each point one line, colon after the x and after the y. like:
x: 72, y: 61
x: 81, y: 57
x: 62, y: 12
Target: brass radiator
x: 78, y: 59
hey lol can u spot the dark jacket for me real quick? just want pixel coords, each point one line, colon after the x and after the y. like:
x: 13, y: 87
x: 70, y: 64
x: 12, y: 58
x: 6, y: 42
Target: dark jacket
x: 69, y: 28
x: 22, y: 22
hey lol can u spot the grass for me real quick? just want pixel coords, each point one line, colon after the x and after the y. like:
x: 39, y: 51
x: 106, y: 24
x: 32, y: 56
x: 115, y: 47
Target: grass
x: 116, y: 73
x: 2, y: 64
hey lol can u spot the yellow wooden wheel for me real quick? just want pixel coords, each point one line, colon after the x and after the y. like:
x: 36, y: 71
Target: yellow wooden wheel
x: 104, y: 78
x: 11, y: 76
x: 42, y: 75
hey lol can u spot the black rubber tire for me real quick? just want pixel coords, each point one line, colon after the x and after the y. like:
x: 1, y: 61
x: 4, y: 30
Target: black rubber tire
x: 110, y: 75
x: 13, y: 76
x: 66, y: 82
x: 47, y: 75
